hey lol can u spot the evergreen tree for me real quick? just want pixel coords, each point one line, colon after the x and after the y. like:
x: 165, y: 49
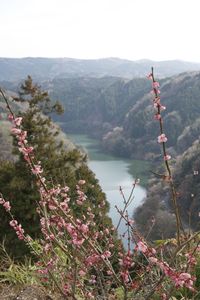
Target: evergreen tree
x: 60, y: 165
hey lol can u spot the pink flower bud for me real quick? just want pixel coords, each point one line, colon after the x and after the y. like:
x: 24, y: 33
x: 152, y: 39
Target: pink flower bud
x: 162, y: 138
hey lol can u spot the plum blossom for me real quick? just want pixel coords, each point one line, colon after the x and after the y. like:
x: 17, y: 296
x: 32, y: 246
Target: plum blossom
x: 149, y: 76
x: 162, y: 138
x: 155, y: 84
x: 184, y: 279
x: 37, y: 169
x: 18, y: 229
x: 142, y: 247
x: 10, y: 117
x: 6, y: 204
x: 18, y: 121
x: 162, y: 107
x: 16, y: 131
x: 167, y: 157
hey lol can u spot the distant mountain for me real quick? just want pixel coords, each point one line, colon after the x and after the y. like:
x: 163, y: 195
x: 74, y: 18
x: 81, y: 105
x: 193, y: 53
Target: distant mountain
x: 15, y: 69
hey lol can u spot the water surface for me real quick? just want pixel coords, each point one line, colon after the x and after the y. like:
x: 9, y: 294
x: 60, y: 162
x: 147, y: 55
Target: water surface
x: 112, y: 172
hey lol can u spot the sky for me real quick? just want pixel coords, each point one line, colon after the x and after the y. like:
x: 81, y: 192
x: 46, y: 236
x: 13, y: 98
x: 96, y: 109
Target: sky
x: 90, y: 29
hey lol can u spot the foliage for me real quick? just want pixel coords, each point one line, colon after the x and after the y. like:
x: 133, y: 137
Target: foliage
x: 16, y: 273
x: 61, y: 165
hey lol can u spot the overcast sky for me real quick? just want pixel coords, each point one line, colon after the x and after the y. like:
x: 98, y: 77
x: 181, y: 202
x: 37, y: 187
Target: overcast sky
x: 131, y: 29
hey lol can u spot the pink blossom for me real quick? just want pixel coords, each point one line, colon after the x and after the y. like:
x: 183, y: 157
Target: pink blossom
x: 162, y: 107
x: 47, y: 247
x: 155, y: 84
x: 18, y: 121
x: 89, y: 295
x: 37, y: 169
x: 92, y: 259
x: 93, y: 279
x: 156, y: 105
x: 82, y: 273
x: 10, y: 117
x: 130, y: 222
x: 26, y: 150
x: 22, y: 137
x: 167, y: 157
x: 18, y: 229
x: 13, y: 223
x: 64, y: 205
x: 142, y: 247
x: 125, y: 275
x: 7, y: 206
x: 106, y: 254
x: 184, y: 279
x: 149, y: 76
x: 162, y: 138
x: 84, y: 228
x: 78, y: 241
x: 153, y: 260
x: 70, y: 228
x: 43, y: 271
x: 106, y: 231
x: 52, y: 205
x: 16, y: 131
x: 191, y: 259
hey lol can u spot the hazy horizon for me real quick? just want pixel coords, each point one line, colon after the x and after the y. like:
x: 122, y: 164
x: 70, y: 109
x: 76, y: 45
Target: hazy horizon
x: 101, y: 58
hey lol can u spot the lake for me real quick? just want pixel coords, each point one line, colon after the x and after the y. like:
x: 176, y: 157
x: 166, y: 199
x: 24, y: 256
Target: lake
x: 113, y: 172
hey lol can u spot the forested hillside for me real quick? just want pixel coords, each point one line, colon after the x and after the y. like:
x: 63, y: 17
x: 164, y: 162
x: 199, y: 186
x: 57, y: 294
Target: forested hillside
x: 158, y: 207
x: 139, y: 130
x: 95, y: 106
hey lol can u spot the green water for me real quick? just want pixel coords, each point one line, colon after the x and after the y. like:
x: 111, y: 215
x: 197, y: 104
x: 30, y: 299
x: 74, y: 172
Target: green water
x: 113, y: 172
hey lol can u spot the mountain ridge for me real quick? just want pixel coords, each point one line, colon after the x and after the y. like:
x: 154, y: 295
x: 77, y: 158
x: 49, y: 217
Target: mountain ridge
x: 41, y: 68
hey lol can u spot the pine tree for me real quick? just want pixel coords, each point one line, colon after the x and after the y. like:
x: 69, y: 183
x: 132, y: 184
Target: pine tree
x: 60, y: 165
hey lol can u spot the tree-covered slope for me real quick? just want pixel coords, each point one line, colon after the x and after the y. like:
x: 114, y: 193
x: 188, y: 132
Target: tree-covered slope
x: 158, y: 204
x: 139, y: 130
x: 96, y: 105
